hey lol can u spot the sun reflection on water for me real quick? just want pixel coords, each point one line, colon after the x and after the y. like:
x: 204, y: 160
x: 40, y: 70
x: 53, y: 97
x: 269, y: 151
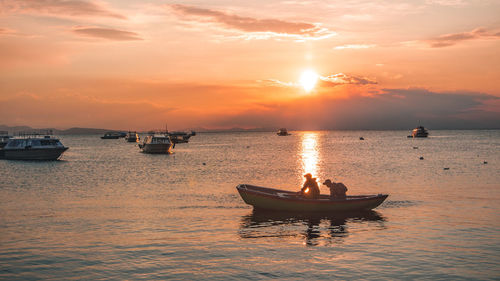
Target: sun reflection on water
x: 310, y: 153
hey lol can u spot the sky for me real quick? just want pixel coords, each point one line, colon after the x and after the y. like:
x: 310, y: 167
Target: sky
x: 304, y: 65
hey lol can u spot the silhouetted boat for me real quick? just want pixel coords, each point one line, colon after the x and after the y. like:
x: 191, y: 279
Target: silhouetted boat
x: 283, y: 132
x: 282, y: 200
x: 419, y: 132
x: 180, y: 137
x: 33, y: 147
x: 112, y: 135
x: 132, y: 137
x: 156, y: 144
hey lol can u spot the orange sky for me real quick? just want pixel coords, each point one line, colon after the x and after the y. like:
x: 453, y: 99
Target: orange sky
x: 127, y: 64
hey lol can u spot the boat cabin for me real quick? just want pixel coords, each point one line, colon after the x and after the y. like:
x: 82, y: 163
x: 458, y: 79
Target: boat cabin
x: 33, y: 142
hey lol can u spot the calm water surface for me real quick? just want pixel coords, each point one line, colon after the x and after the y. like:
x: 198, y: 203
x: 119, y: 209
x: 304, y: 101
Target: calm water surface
x: 107, y: 211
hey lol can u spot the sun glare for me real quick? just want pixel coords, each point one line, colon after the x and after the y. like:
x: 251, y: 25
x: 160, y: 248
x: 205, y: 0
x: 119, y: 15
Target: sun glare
x: 308, y: 80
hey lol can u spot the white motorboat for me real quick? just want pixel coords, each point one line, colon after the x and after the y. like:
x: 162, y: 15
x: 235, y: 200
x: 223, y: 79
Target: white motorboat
x: 157, y: 143
x: 419, y: 132
x: 33, y: 147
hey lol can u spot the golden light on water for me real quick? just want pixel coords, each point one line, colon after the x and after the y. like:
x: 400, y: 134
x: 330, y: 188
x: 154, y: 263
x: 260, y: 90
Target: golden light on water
x: 310, y: 153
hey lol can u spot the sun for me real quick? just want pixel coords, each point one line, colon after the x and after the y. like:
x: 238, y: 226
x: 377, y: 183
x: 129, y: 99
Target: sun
x: 308, y: 80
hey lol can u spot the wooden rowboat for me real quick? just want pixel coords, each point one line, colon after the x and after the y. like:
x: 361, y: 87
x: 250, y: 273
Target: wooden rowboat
x: 282, y: 200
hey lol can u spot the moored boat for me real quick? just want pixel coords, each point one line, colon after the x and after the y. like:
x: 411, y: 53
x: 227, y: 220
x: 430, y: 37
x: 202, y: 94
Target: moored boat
x: 282, y: 200
x: 180, y: 137
x: 111, y: 135
x: 33, y: 147
x: 132, y: 137
x: 419, y: 132
x: 156, y: 144
x: 283, y: 132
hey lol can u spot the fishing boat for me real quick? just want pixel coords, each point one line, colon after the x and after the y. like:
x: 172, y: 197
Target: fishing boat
x: 132, y: 137
x: 282, y: 200
x: 283, y: 132
x: 33, y: 147
x: 419, y: 132
x: 156, y: 143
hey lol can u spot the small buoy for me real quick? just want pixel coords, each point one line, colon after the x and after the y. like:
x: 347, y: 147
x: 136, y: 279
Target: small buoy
x: 361, y: 138
x: 421, y: 158
x: 415, y: 147
x: 204, y: 163
x: 248, y: 146
x: 446, y: 168
x: 484, y: 162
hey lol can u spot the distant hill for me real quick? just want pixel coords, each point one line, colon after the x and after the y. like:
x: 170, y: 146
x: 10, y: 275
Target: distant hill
x: 204, y: 130
x: 14, y: 129
x: 71, y: 131
x: 94, y: 131
x: 81, y: 131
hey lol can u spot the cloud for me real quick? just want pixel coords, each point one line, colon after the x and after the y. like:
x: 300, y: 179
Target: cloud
x: 278, y: 83
x: 341, y: 78
x: 390, y: 109
x: 61, y: 8
x: 325, y: 81
x: 106, y: 33
x: 107, y: 100
x: 255, y: 28
x: 451, y: 39
x: 73, y: 102
x: 355, y: 46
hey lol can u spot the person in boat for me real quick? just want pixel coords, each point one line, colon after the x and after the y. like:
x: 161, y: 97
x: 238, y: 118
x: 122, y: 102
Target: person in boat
x: 338, y: 190
x: 310, y: 189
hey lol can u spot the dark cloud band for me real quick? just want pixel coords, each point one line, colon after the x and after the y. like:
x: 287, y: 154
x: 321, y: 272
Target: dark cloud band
x: 451, y: 39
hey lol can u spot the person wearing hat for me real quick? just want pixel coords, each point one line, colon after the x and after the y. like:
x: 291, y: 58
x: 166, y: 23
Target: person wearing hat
x: 337, y: 190
x: 310, y: 189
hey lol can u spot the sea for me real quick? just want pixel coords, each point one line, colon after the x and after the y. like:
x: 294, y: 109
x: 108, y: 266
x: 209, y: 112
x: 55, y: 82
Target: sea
x: 106, y: 211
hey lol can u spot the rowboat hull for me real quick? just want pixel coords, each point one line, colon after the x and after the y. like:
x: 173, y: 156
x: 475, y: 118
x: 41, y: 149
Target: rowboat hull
x: 281, y: 200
